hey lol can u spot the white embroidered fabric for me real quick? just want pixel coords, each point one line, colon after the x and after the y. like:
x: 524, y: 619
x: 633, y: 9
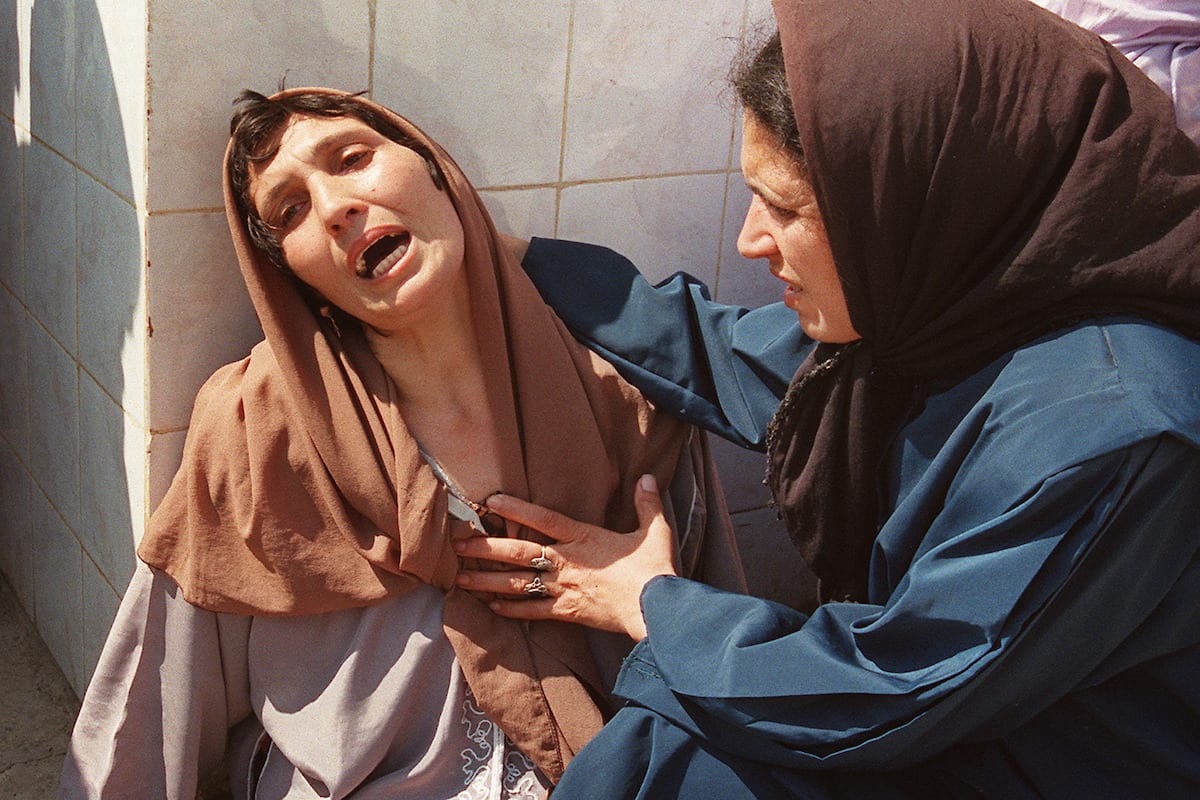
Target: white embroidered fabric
x: 493, y: 768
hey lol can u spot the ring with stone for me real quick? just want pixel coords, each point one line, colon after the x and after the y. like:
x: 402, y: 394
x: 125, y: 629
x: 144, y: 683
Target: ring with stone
x: 535, y: 588
x: 541, y: 563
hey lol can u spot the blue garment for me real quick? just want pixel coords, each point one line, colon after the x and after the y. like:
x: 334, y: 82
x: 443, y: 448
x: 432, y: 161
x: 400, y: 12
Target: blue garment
x: 1033, y: 624
x: 721, y: 367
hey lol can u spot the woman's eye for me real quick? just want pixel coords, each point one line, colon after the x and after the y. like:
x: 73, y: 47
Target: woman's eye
x: 354, y: 158
x: 779, y: 212
x: 286, y: 216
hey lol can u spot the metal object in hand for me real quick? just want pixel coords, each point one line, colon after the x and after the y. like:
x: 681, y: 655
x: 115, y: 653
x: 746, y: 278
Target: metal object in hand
x: 541, y: 563
x: 535, y: 588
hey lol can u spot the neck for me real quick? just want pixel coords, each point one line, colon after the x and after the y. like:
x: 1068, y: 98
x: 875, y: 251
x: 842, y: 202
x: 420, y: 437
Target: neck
x: 435, y: 363
x: 437, y: 369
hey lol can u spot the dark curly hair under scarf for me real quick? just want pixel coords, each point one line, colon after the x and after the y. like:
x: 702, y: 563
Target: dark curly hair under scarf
x: 987, y: 173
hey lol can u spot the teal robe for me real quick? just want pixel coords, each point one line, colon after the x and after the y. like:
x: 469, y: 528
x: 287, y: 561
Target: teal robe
x: 1033, y: 623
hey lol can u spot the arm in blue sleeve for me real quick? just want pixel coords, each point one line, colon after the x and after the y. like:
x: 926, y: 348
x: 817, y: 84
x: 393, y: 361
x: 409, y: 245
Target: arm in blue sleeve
x: 988, y: 629
x: 723, y: 368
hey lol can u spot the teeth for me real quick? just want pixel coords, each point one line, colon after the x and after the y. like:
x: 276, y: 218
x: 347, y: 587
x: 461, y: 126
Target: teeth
x: 383, y: 266
x: 364, y: 267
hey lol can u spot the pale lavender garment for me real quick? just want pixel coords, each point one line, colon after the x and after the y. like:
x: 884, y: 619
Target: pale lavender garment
x: 1162, y: 37
x: 365, y: 703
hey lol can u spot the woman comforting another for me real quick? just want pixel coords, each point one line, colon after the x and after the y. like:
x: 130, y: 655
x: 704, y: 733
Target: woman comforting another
x: 988, y: 224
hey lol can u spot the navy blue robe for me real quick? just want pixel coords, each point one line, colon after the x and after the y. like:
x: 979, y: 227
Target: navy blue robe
x: 1033, y: 624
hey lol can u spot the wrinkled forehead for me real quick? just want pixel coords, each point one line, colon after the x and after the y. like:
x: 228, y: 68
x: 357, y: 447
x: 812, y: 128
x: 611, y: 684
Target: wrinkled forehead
x: 306, y: 136
x: 305, y: 141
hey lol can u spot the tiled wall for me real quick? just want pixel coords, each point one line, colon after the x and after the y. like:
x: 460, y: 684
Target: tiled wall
x: 607, y: 122
x: 73, y: 424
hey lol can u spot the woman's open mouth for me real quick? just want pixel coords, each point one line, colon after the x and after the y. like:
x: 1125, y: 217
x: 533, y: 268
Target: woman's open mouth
x: 382, y: 255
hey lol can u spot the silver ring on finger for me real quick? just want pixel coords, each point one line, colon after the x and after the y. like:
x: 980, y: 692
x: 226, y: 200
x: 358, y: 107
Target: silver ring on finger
x: 541, y: 563
x: 535, y: 588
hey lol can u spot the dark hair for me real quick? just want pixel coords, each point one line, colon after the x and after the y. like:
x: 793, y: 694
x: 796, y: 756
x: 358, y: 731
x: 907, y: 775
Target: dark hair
x: 760, y: 80
x: 259, y: 123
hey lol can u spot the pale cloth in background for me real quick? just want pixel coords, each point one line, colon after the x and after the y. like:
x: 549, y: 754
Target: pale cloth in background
x: 1162, y: 37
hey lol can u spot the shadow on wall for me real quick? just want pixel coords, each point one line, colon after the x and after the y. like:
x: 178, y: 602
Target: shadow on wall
x: 109, y: 277
x: 14, y: 523
x: 71, y: 274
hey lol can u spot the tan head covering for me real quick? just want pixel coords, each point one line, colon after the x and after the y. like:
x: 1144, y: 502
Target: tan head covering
x: 302, y: 491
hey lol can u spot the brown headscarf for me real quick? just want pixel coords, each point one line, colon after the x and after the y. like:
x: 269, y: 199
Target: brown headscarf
x: 987, y: 173
x: 302, y: 491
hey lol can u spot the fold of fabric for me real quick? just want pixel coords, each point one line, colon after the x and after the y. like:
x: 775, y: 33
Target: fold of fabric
x: 302, y: 491
x: 1001, y: 174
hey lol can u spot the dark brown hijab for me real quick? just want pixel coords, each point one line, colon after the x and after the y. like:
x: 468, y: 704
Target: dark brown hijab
x: 987, y: 173
x: 302, y: 491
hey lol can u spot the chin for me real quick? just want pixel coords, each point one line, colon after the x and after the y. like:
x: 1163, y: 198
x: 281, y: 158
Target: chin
x: 820, y: 333
x: 830, y: 338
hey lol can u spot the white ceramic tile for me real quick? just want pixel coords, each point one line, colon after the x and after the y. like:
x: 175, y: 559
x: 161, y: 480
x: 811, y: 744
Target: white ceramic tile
x: 52, y: 73
x: 110, y: 81
x: 203, y: 54
x: 760, y: 18
x: 14, y: 387
x: 773, y: 567
x: 200, y: 314
x: 17, y: 44
x: 647, y: 91
x: 11, y: 31
x: 663, y: 225
x: 112, y: 491
x: 112, y: 310
x: 100, y: 603
x: 742, y: 281
x: 54, y: 422
x: 166, y: 453
x: 523, y: 212
x: 16, y: 544
x: 50, y: 241
x: 742, y: 474
x: 58, y: 590
x: 12, y: 200
x: 485, y: 78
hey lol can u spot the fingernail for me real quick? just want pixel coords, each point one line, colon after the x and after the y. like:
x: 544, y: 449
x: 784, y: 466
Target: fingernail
x: 648, y: 483
x: 459, y: 545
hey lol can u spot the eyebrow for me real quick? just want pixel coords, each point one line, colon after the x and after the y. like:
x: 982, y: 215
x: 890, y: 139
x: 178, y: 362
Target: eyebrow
x: 761, y: 190
x: 794, y: 201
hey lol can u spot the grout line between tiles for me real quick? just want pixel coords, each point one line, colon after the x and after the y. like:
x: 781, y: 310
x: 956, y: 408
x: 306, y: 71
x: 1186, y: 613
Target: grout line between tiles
x: 170, y: 212
x: 561, y: 184
x: 562, y: 142
x: 717, y: 294
x: 372, y: 9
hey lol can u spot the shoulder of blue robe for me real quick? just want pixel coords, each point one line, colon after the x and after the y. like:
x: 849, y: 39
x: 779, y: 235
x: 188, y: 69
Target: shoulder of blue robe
x: 1006, y: 610
x: 723, y: 368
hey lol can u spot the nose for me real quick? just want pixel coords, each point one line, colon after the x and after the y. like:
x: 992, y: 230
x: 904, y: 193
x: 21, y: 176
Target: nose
x: 755, y: 239
x: 333, y: 204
